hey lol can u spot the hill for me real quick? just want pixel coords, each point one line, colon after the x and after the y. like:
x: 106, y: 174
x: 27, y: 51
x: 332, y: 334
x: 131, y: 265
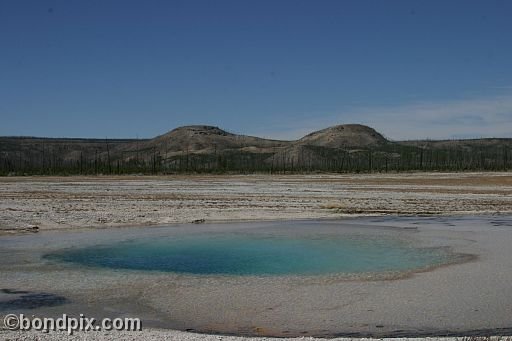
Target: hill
x: 202, y: 139
x: 344, y: 136
x: 201, y: 148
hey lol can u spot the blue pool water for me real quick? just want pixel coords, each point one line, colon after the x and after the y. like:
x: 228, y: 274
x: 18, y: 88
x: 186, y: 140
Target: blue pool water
x: 257, y: 254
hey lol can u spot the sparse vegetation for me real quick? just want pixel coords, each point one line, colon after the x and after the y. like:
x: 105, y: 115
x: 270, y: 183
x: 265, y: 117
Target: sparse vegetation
x: 204, y: 149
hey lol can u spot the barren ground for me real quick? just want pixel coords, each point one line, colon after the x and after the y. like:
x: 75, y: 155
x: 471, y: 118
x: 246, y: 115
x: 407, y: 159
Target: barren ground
x: 74, y: 202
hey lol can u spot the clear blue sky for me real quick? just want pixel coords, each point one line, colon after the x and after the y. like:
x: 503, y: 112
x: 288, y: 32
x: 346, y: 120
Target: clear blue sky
x: 271, y: 68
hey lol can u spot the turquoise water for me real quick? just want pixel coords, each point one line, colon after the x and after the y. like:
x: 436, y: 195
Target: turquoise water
x: 255, y: 254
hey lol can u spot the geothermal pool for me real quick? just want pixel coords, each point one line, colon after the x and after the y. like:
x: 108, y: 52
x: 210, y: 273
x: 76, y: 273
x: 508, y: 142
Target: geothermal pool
x: 260, y: 252
x: 373, y: 276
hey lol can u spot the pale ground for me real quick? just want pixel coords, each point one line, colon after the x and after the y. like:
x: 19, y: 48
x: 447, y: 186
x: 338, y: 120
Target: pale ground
x: 156, y: 334
x: 179, y: 336
x: 468, y: 298
x: 74, y: 202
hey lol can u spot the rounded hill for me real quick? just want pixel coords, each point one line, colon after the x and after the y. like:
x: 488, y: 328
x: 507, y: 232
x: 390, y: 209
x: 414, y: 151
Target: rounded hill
x: 345, y: 135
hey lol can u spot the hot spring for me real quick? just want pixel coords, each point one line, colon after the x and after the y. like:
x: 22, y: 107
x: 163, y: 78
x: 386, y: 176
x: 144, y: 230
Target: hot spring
x: 320, y: 250
x: 325, y: 278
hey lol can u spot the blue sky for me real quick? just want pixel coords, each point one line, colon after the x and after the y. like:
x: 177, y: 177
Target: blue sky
x: 426, y: 69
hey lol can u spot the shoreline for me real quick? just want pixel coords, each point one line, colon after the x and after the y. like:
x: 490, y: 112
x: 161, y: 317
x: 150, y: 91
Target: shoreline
x: 17, y: 232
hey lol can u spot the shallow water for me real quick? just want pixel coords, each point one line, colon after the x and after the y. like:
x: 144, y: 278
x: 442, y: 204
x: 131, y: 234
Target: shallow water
x: 231, y: 284
x: 260, y: 252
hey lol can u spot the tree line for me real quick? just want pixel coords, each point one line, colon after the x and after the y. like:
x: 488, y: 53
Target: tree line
x: 390, y: 158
